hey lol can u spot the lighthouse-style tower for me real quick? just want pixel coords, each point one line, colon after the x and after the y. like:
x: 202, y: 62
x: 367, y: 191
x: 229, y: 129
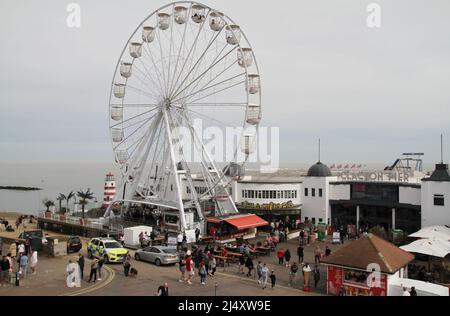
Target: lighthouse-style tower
x: 110, y: 190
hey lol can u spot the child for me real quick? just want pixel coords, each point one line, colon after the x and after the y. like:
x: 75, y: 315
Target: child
x: 273, y: 279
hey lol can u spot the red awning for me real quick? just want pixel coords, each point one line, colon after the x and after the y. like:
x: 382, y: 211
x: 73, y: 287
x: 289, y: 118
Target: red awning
x: 248, y: 221
x: 213, y: 220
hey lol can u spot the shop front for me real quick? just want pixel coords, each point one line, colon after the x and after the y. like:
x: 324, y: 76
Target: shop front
x: 231, y: 228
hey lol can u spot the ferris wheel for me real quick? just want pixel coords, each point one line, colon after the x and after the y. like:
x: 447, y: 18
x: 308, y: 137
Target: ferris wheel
x: 185, y: 64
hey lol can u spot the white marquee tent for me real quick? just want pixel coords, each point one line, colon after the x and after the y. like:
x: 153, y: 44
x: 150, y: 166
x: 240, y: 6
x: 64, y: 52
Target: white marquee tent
x: 433, y: 232
x: 432, y: 247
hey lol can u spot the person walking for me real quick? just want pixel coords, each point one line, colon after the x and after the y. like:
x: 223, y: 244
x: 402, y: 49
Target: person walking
x: 280, y: 255
x: 189, y: 267
x: 249, y: 266
x: 265, y: 276
x: 241, y: 264
x: 182, y: 267
x: 327, y: 251
x: 13, y: 250
x: 94, y: 267
x: 4, y: 271
x: 34, y: 261
x: 287, y: 257
x: 23, y: 264
x: 81, y: 264
x: 99, y: 269
x: 273, y: 279
x: 413, y: 291
x: 293, y: 274
x: 306, y: 276
x: 163, y: 290
x: 21, y: 248
x: 317, y: 254
x: 202, y: 273
x: 127, y: 265
x: 316, y: 275
x: 212, y: 265
x: 300, y: 253
x: 259, y: 267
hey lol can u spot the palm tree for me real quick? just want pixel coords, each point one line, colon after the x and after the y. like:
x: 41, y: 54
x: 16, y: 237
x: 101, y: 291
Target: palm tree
x: 60, y: 198
x: 84, y: 197
x: 47, y: 203
x: 68, y: 197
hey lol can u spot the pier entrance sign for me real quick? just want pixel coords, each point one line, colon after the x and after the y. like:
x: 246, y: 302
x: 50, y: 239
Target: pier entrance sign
x: 183, y: 63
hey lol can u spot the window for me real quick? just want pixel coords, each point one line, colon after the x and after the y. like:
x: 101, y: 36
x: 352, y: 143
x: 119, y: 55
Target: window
x: 320, y: 192
x: 439, y: 199
x: 306, y: 191
x: 313, y: 192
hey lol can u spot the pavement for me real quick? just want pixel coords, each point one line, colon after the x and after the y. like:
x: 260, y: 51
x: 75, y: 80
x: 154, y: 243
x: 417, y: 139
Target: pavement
x: 51, y: 278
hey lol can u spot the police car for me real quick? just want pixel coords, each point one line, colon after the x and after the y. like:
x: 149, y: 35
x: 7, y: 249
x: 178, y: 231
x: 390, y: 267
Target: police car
x: 108, y: 249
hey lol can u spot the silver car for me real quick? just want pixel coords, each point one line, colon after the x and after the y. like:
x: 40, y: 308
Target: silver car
x: 158, y: 255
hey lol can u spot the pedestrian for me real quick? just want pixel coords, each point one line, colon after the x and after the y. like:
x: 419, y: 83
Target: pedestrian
x: 405, y: 292
x: 189, y: 267
x: 179, y: 241
x: 265, y: 275
x: 249, y: 266
x: 70, y: 280
x: 327, y: 251
x: 23, y: 264
x: 287, y: 257
x: 197, y: 235
x: 202, y: 272
x: 300, y: 253
x: 212, y: 265
x: 306, y: 276
x: 4, y: 271
x: 127, y: 265
x: 280, y: 255
x: 241, y: 264
x: 317, y: 254
x: 182, y: 268
x: 21, y: 248
x: 316, y: 275
x: 100, y: 266
x: 259, y: 267
x: 13, y: 250
x: 163, y: 290
x: 302, y: 237
x: 34, y: 261
x: 413, y: 291
x: 81, y: 264
x: 273, y: 279
x: 293, y: 274
x: 94, y: 267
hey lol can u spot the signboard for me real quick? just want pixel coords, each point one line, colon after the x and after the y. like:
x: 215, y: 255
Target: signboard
x: 172, y: 242
x: 267, y: 206
x: 381, y: 176
x: 336, y: 285
x: 190, y: 235
x: 336, y: 237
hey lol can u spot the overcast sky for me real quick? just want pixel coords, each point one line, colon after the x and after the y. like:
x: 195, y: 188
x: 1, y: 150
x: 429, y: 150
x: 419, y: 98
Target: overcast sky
x: 369, y: 94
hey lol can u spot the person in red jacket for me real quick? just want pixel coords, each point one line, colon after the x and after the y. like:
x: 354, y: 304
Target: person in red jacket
x: 280, y: 255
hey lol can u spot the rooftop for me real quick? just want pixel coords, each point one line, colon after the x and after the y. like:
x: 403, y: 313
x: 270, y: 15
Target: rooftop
x: 368, y: 250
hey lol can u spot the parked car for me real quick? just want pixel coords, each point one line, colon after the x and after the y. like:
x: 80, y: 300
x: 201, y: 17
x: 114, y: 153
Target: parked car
x: 107, y: 248
x: 158, y: 255
x: 31, y: 233
x: 74, y: 244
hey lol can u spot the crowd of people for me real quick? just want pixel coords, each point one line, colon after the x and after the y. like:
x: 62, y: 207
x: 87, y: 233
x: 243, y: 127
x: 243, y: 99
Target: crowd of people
x: 18, y: 262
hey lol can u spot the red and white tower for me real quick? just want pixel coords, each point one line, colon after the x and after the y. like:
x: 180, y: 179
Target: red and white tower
x: 110, y: 190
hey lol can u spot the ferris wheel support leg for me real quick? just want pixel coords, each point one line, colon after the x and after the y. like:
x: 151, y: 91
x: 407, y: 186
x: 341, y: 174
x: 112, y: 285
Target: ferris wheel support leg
x: 175, y: 172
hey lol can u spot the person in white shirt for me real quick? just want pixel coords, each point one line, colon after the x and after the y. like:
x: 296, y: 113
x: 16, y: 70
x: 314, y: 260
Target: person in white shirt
x: 405, y: 292
x: 34, y: 261
x: 21, y: 248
